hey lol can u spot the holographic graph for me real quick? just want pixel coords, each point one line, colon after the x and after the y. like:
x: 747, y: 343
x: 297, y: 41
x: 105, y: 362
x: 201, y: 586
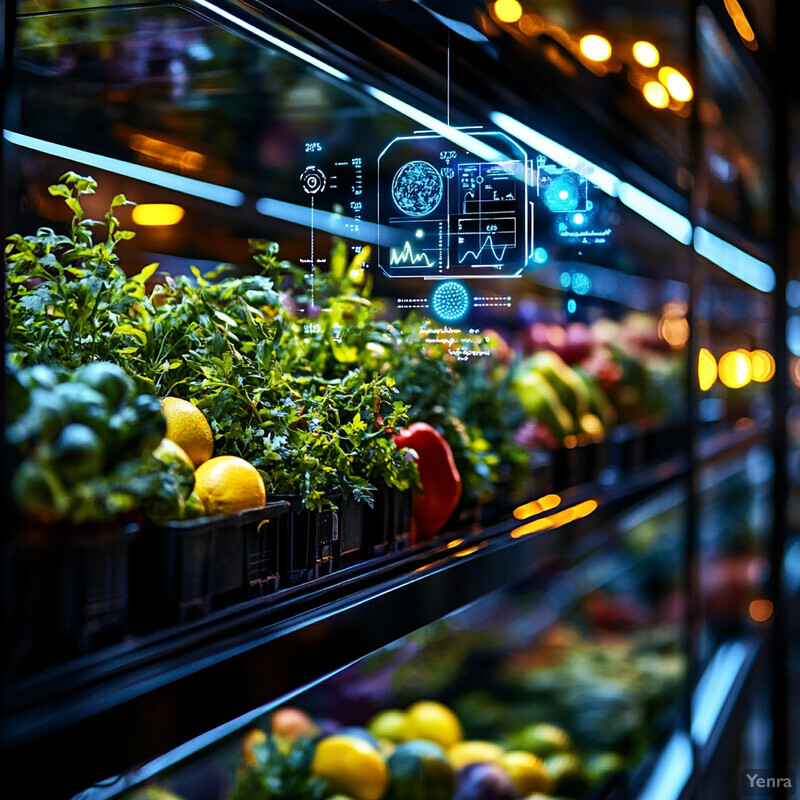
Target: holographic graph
x: 443, y: 213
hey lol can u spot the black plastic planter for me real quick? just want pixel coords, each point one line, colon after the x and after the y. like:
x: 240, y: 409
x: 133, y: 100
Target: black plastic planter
x: 183, y: 571
x: 68, y: 593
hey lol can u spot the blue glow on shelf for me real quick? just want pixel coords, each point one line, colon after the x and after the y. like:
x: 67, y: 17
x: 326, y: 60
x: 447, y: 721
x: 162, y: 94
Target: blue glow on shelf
x: 566, y: 280
x: 572, y: 306
x: 470, y: 143
x: 579, y: 219
x: 273, y: 40
x: 741, y: 265
x: 604, y: 180
x: 156, y: 177
x: 713, y: 689
x: 793, y: 335
x: 450, y: 301
x: 662, y: 216
x: 540, y: 255
x: 672, y: 771
x: 581, y: 283
x: 346, y: 227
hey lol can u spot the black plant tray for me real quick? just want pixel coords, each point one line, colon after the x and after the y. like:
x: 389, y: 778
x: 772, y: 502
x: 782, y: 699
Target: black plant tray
x: 67, y: 592
x: 366, y: 532
x: 183, y: 571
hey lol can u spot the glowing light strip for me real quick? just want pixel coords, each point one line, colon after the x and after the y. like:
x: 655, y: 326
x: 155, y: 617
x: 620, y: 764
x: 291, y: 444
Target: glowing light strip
x: 672, y: 770
x: 713, y: 689
x: 274, y: 40
x: 327, y: 221
x: 601, y: 178
x: 546, y: 503
x: 556, y: 520
x: 470, y: 143
x: 741, y: 265
x: 671, y: 222
x: 157, y: 177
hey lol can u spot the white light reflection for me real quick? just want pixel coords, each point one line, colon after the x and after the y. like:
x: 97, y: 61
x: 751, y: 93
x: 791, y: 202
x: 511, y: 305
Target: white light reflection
x: 741, y: 265
x: 470, y: 143
x: 309, y: 59
x: 601, y: 178
x: 156, y: 177
x: 662, y: 216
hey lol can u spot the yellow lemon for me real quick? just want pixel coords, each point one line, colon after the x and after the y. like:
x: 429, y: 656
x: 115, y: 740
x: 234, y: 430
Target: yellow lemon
x: 389, y: 724
x: 188, y: 427
x: 430, y: 720
x: 351, y: 766
x: 461, y: 754
x: 527, y: 773
x: 227, y: 484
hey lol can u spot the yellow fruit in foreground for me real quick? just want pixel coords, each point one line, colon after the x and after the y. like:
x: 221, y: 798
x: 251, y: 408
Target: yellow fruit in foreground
x: 188, y: 427
x: 430, y: 720
x: 389, y: 724
x: 351, y: 766
x: 461, y: 754
x: 227, y: 484
x: 527, y: 773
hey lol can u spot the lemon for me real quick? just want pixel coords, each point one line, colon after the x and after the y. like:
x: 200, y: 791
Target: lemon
x: 430, y: 720
x: 351, y: 766
x: 462, y: 754
x: 527, y: 773
x: 188, y: 427
x: 227, y: 484
x: 389, y: 724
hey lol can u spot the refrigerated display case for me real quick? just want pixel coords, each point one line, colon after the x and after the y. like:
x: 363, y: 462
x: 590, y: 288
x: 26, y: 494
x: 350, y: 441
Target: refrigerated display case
x: 590, y: 323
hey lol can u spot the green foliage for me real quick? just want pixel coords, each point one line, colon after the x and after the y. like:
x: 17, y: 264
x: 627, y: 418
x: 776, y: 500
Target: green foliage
x: 279, y: 775
x: 86, y: 454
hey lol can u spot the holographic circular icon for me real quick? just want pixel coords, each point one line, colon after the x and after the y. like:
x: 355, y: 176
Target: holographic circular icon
x: 313, y: 180
x: 417, y: 188
x: 450, y: 301
x: 563, y: 193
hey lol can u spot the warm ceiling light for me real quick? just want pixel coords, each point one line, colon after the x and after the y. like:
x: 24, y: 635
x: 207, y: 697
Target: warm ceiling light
x: 655, y: 94
x: 595, y: 48
x: 646, y: 54
x: 743, y: 27
x: 706, y: 369
x: 676, y: 84
x: 508, y: 10
x: 761, y: 610
x: 734, y: 369
x: 762, y: 365
x: 157, y: 214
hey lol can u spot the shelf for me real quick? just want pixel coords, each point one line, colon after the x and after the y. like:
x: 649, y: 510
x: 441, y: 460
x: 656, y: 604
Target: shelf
x: 102, y: 714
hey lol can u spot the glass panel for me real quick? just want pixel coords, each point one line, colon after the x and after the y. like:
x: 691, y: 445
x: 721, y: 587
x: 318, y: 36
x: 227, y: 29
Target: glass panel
x: 737, y: 134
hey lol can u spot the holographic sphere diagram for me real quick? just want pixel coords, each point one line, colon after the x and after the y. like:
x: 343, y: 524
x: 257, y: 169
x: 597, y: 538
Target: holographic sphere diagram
x: 450, y: 301
x: 417, y: 188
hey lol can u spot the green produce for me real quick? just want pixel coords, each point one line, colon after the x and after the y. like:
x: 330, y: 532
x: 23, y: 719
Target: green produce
x: 279, y: 774
x: 541, y: 402
x: 419, y: 770
x: 568, y: 774
x: 571, y: 390
x: 389, y: 724
x: 542, y: 739
x: 84, y: 455
x: 602, y: 765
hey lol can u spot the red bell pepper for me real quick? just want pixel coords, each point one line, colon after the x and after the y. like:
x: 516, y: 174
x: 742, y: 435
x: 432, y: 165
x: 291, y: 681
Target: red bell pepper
x: 441, y: 483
